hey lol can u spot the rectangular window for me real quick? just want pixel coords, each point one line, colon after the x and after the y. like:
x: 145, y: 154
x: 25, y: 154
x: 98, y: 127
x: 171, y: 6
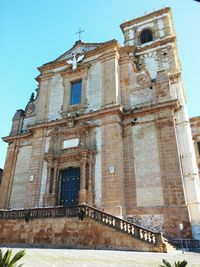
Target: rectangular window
x: 76, y: 88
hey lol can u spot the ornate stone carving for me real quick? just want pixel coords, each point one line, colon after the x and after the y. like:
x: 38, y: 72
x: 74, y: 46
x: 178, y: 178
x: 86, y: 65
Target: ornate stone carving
x: 75, y: 60
x: 144, y: 79
x: 137, y: 63
x: 30, y: 107
x: 150, y: 61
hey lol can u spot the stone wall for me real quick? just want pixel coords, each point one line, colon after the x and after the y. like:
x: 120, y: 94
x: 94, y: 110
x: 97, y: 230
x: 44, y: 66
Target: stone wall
x: 164, y: 219
x: 153, y: 222
x: 68, y: 233
x: 112, y: 166
x: 147, y: 165
x: 94, y: 87
x: 1, y: 174
x: 19, y: 195
x: 56, y: 98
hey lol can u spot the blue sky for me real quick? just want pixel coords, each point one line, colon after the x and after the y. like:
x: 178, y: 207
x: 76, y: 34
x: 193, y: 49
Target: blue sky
x: 33, y: 32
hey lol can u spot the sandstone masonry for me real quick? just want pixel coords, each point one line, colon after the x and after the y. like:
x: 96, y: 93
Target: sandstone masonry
x: 110, y: 129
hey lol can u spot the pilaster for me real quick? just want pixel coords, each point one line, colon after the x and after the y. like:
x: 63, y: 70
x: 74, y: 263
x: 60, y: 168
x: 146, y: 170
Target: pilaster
x: 8, y: 175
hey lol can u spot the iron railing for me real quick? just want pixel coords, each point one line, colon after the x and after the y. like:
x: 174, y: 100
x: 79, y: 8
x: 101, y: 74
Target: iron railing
x: 186, y: 244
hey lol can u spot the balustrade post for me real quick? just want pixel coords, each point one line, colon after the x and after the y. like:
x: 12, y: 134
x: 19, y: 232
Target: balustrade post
x: 137, y: 231
x: 118, y: 224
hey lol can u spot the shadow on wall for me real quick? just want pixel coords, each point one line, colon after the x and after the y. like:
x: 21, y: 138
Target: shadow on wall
x: 1, y: 174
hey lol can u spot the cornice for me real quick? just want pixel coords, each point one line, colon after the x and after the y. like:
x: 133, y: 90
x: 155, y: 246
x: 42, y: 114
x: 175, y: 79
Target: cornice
x: 11, y: 138
x: 44, y: 76
x: 113, y: 109
x: 157, y: 43
x: 91, y: 116
x: 103, y: 112
x: 70, y: 153
x: 137, y: 111
x: 196, y: 137
x: 195, y: 119
x: 127, y: 49
x: 82, y: 67
x: 151, y: 15
x: 79, y: 128
x: 173, y: 77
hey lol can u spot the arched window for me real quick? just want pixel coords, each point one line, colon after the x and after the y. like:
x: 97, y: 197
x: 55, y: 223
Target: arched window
x: 146, y: 36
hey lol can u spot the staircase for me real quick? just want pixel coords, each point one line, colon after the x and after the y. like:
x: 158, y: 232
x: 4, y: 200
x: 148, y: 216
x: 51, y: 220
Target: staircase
x: 122, y: 225
x: 152, y: 238
x: 169, y: 245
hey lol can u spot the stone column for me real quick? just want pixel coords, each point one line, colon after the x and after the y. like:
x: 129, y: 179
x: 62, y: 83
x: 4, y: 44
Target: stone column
x: 188, y: 160
x: 48, y: 180
x: 47, y: 195
x: 82, y: 193
x: 90, y: 191
x: 54, y: 194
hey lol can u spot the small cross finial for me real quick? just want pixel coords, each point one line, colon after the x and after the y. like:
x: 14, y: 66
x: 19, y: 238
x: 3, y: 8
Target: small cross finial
x: 79, y: 33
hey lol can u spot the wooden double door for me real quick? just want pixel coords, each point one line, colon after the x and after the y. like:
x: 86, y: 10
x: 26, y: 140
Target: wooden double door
x: 70, y: 186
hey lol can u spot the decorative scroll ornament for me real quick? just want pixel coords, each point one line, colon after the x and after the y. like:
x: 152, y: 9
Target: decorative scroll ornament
x: 144, y: 78
x: 75, y: 60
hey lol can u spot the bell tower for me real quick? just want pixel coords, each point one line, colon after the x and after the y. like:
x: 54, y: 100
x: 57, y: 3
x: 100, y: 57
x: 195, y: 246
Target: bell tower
x: 151, y: 44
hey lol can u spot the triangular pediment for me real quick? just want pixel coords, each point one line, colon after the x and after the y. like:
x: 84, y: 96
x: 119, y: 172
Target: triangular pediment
x: 79, y: 48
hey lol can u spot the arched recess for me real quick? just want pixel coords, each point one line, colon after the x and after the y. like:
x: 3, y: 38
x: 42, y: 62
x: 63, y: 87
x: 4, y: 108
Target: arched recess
x: 146, y: 36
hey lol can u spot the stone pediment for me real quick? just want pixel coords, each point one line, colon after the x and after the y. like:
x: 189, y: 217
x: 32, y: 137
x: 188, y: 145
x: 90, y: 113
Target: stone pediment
x: 78, y: 48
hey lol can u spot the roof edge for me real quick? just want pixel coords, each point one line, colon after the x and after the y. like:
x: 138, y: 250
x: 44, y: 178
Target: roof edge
x: 100, y: 46
x: 145, y: 17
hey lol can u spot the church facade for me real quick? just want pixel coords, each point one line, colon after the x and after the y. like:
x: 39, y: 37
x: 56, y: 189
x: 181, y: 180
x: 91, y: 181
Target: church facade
x: 109, y: 127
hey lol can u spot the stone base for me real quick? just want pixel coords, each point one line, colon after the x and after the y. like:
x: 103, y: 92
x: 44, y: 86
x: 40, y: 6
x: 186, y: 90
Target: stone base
x: 90, y: 197
x: 162, y: 219
x: 50, y: 200
x: 70, y: 233
x: 82, y: 196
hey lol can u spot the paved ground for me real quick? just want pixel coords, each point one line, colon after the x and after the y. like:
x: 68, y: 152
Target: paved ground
x: 101, y: 258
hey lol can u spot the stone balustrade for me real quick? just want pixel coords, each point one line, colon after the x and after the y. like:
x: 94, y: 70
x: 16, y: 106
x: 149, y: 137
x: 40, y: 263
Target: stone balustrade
x: 80, y: 211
